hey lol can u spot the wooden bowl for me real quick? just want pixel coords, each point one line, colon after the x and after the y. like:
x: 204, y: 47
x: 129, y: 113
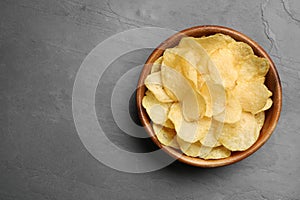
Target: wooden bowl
x: 272, y: 82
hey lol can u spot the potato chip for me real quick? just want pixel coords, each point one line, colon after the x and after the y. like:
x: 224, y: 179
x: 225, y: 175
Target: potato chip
x: 253, y: 67
x: 201, y: 81
x: 260, y: 119
x: 175, y: 59
x: 241, y: 135
x: 195, y: 149
x: 156, y: 65
x: 193, y: 104
x: 232, y: 112
x: 205, y: 63
x: 205, y: 151
x: 195, y: 54
x: 207, y: 96
x: 170, y: 94
x: 166, y: 136
x: 214, y: 42
x: 153, y: 83
x: 191, y: 74
x: 225, y: 68
x: 188, y: 131
x: 240, y: 51
x: 218, y: 153
x: 189, y: 149
x: 169, y: 124
x: 156, y: 110
x: 215, y: 98
x: 267, y: 106
x: 252, y: 95
x: 211, y: 137
x: 197, y: 57
x: 260, y: 79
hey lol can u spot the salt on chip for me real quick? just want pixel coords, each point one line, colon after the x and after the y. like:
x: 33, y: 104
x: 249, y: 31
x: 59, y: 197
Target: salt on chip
x: 232, y: 112
x: 156, y: 110
x: 188, y: 131
x: 218, y: 153
x: 156, y: 65
x: 252, y: 95
x: 241, y: 135
x: 192, y: 103
x: 154, y: 84
x: 166, y: 136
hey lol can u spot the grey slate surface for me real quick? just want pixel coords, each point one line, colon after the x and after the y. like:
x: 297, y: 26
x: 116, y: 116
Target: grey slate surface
x: 42, y: 45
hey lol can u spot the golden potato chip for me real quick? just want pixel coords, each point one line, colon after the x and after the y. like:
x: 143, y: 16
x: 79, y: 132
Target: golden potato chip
x: 260, y: 79
x: 192, y: 75
x: 197, y: 57
x: 225, y: 68
x: 156, y: 110
x: 205, y: 151
x: 252, y: 95
x: 153, y: 83
x: 195, y: 149
x: 267, y: 106
x: 253, y: 67
x: 156, y: 65
x: 201, y: 81
x: 214, y: 42
x: 192, y: 103
x: 208, y: 95
x: 211, y: 137
x: 175, y: 59
x: 172, y: 59
x: 170, y: 94
x: 232, y: 112
x: 260, y: 119
x: 218, y: 153
x: 189, y: 149
x: 241, y: 135
x: 169, y: 124
x: 195, y: 54
x: 166, y: 136
x: 188, y: 131
x: 240, y: 51
x: 215, y: 98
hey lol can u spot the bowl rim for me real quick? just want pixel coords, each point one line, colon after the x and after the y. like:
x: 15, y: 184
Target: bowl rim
x: 199, y: 31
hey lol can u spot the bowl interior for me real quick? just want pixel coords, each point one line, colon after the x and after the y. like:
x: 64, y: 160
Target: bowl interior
x: 272, y: 82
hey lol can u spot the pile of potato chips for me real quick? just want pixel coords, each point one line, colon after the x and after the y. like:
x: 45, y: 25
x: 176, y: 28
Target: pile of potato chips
x: 207, y: 96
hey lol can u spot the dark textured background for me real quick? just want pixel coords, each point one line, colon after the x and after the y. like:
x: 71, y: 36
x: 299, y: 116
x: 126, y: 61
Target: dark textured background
x: 42, y: 44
